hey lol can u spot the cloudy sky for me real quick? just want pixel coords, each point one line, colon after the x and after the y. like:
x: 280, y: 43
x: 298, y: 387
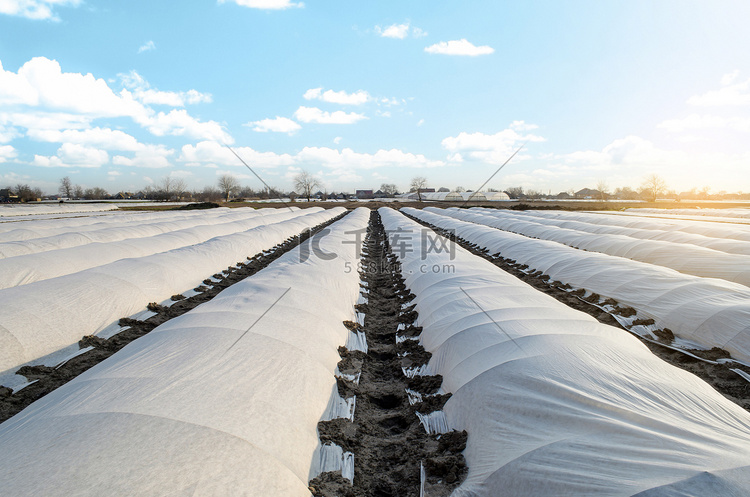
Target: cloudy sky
x: 120, y: 94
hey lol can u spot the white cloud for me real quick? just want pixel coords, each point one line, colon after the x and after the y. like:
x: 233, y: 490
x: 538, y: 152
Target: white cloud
x: 35, y: 9
x: 142, y: 91
x: 459, y: 47
x: 277, y: 125
x: 206, y: 153
x: 73, y: 155
x: 730, y: 94
x: 7, y: 134
x: 7, y: 152
x: 104, y: 138
x: 266, y: 4
x: 315, y: 115
x: 148, y: 156
x: 400, y: 31
x: 494, y: 148
x: 697, y: 122
x: 40, y: 82
x: 179, y: 123
x: 359, y: 97
x: 149, y: 45
x: 40, y: 120
x: 420, y: 122
x: 337, y: 140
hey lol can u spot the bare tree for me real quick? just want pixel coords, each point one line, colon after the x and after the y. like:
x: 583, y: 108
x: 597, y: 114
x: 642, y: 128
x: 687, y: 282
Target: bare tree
x: 653, y: 186
x: 66, y: 187
x: 603, y: 189
x: 389, y: 189
x: 417, y: 184
x: 515, y: 191
x: 228, y: 184
x: 305, y: 183
x: 460, y: 189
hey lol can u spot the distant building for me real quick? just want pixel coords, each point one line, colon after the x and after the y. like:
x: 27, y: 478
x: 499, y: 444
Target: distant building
x: 588, y: 193
x: 364, y: 194
x: 7, y: 195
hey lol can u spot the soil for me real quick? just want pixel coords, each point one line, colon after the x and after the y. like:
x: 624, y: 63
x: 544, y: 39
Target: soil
x: 51, y: 378
x: 386, y: 437
x: 718, y: 375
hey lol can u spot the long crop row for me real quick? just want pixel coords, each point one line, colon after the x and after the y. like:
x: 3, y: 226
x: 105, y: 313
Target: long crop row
x: 36, y: 239
x: 231, y: 397
x: 223, y: 400
x: 710, y: 312
x: 42, y: 317
x: 685, y: 258
x: 554, y: 402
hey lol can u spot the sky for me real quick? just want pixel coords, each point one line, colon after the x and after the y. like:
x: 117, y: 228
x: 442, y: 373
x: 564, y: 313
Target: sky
x: 358, y: 93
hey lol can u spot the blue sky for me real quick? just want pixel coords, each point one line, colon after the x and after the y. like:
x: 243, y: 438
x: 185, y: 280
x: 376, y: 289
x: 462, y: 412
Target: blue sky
x: 121, y: 94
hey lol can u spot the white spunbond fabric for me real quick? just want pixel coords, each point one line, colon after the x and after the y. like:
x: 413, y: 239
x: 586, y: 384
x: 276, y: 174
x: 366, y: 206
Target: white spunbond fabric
x: 126, y: 228
x: 724, y: 245
x: 25, y: 269
x: 13, y: 210
x: 719, y: 230
x: 685, y: 258
x: 42, y: 317
x: 223, y: 400
x: 710, y: 312
x: 554, y: 402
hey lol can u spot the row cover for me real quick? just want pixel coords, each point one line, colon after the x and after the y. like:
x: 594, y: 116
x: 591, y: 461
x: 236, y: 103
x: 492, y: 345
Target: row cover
x: 118, y: 228
x: 721, y: 231
x: 30, y: 230
x: 732, y: 213
x: 556, y: 403
x: 223, y: 400
x: 688, y: 259
x: 25, y: 269
x: 711, y: 312
x: 26, y: 210
x: 731, y: 246
x: 42, y: 317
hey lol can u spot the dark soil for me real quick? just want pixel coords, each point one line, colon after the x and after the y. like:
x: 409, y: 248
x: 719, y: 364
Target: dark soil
x: 718, y: 375
x: 50, y: 378
x: 387, y: 439
x: 197, y: 206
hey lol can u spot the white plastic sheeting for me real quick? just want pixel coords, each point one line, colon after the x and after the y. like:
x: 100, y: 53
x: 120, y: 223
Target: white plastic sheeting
x: 707, y: 311
x: 556, y: 403
x: 685, y: 258
x: 221, y: 401
x: 42, y: 317
x: 25, y: 269
x: 127, y: 227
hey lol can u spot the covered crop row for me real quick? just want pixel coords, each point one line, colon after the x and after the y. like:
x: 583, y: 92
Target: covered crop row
x: 704, y: 227
x: 26, y: 210
x: 715, y: 241
x: 31, y: 230
x: 554, y: 402
x: 710, y: 312
x: 25, y: 269
x: 688, y: 259
x: 223, y: 400
x: 45, y: 316
x: 127, y: 227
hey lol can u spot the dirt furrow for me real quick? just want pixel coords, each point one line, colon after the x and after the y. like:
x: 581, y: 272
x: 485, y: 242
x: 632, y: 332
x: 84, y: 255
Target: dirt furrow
x: 389, y: 443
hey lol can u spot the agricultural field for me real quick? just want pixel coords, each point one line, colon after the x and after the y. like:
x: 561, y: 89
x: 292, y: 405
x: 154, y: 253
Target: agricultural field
x: 352, y: 351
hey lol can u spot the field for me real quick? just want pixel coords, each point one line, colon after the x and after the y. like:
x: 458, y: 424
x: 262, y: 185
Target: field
x: 376, y: 349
